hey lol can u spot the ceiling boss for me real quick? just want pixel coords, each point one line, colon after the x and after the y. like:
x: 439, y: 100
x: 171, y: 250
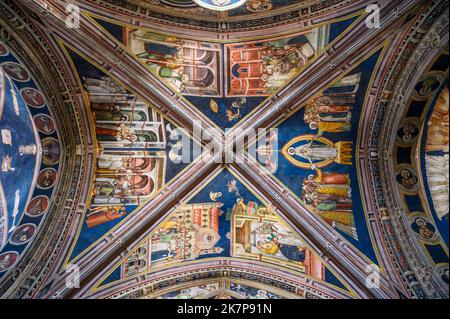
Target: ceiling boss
x: 220, y: 5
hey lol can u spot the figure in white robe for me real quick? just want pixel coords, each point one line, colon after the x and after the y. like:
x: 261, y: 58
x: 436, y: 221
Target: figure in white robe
x: 437, y: 168
x: 314, y: 153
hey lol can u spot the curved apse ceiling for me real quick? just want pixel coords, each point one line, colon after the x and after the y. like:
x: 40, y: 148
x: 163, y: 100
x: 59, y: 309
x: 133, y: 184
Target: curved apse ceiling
x: 30, y: 153
x: 224, y: 149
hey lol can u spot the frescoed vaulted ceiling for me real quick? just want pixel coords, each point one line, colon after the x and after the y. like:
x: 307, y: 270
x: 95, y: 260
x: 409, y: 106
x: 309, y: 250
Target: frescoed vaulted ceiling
x: 210, y: 149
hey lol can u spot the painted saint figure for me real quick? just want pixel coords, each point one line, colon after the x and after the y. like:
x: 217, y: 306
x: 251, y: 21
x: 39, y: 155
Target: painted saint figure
x: 120, y: 116
x: 291, y: 252
x: 7, y: 260
x: 437, y: 176
x: 327, y: 118
x: 408, y: 131
x: 102, y: 85
x: 102, y: 214
x: 407, y: 179
x: 46, y: 178
x: 37, y: 206
x: 260, y: 68
x: 424, y: 229
x: 115, y: 133
x: 187, y: 66
x: 117, y: 164
x: 6, y: 164
x: 329, y: 193
x: 438, y: 125
x: 318, y: 152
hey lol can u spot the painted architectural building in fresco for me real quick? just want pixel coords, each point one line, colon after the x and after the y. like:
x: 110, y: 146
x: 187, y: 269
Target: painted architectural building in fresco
x: 260, y: 234
x: 260, y: 68
x: 189, y: 67
x: 115, y: 140
x: 131, y: 154
x: 190, y: 232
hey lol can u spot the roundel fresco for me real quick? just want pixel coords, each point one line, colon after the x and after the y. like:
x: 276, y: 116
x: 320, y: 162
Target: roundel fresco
x: 220, y: 5
x: 29, y: 155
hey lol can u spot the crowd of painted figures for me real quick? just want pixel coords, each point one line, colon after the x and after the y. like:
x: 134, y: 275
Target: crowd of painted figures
x: 131, y: 136
x: 330, y: 195
x: 328, y: 192
x: 187, y: 66
x: 131, y: 150
x: 260, y: 234
x: 327, y: 115
x: 191, y: 231
x: 194, y: 68
x: 260, y: 68
x: 331, y: 112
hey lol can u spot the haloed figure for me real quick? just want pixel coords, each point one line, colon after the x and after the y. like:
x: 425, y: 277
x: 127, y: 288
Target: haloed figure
x: 273, y: 247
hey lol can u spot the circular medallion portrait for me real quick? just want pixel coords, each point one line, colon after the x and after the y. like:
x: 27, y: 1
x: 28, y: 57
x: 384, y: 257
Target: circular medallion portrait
x: 408, y: 131
x: 407, y: 179
x: 220, y: 5
x: 44, y: 123
x: 33, y: 97
x: 50, y: 151
x: 426, y: 87
x: 23, y: 234
x: 258, y: 5
x: 16, y: 71
x: 443, y: 272
x: 7, y: 260
x: 47, y: 178
x: 37, y: 206
x: 424, y: 229
x: 3, y: 50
